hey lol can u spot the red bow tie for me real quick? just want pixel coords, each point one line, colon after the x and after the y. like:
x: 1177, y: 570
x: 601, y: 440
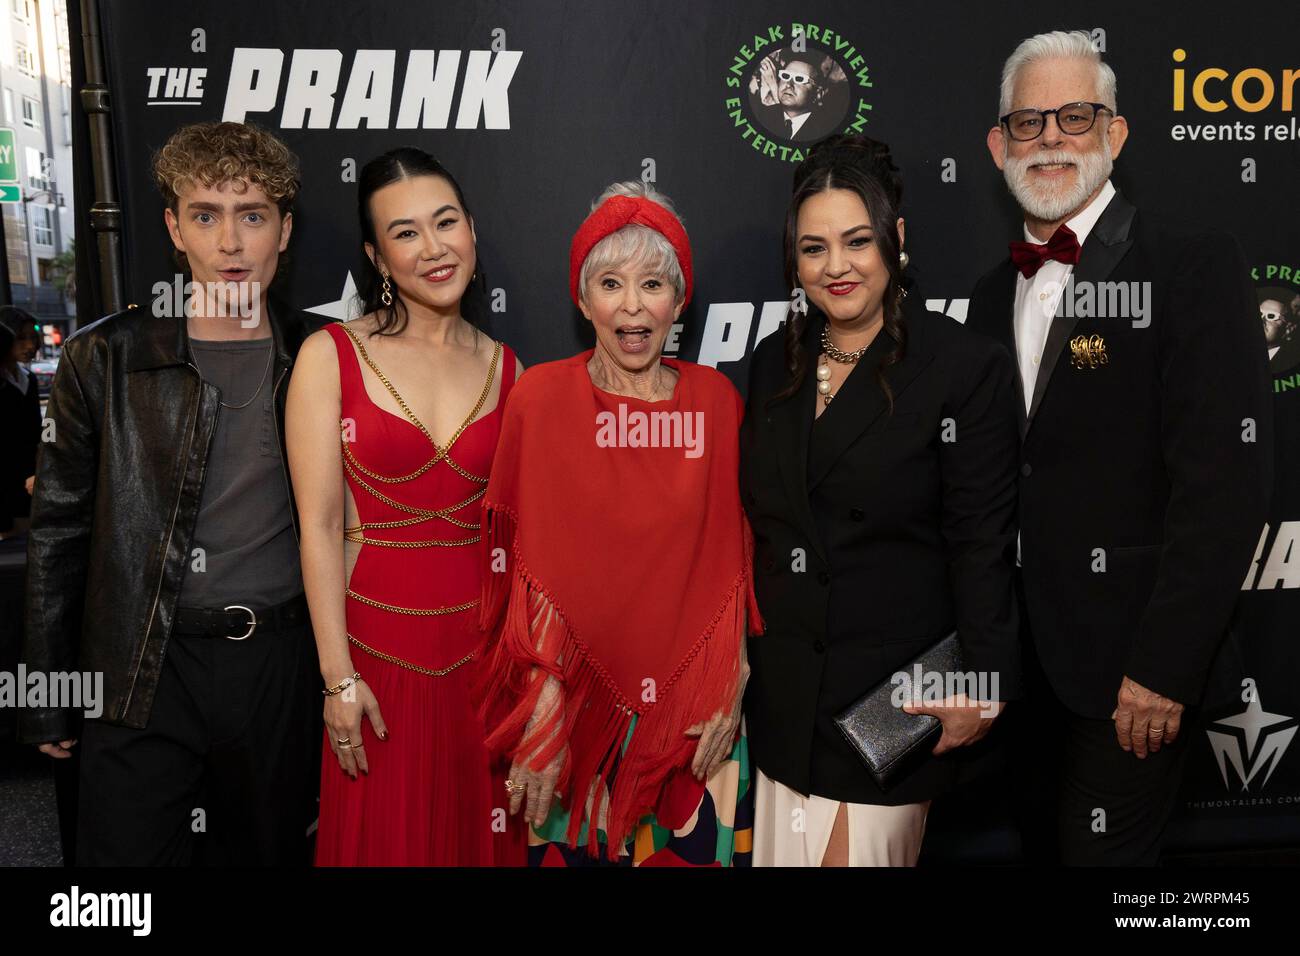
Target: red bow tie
x: 1030, y: 256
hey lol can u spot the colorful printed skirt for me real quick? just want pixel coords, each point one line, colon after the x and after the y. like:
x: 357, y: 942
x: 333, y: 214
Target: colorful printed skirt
x: 719, y: 831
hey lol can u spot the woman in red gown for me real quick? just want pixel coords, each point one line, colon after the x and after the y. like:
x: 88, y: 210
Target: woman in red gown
x: 392, y: 422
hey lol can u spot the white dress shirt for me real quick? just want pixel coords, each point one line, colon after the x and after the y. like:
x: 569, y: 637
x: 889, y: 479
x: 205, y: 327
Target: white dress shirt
x: 1037, y: 297
x: 797, y: 121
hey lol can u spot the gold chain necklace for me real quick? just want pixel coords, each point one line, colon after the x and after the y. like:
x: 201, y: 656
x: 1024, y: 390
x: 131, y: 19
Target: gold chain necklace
x: 839, y: 355
x: 469, y: 420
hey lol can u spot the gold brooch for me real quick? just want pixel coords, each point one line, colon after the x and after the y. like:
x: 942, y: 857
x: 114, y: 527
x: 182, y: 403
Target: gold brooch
x: 1088, y: 351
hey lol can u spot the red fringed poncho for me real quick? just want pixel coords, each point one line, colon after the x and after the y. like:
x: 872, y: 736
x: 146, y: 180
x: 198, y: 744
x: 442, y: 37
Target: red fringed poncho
x: 618, y: 559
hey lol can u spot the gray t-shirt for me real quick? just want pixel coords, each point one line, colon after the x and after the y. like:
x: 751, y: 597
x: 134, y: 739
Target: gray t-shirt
x: 245, y: 529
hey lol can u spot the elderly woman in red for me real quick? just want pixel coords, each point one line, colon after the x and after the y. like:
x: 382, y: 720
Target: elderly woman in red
x: 618, y: 585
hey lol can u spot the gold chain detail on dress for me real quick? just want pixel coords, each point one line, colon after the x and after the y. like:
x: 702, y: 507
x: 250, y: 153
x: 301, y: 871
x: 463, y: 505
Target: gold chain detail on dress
x: 407, y: 664
x: 441, y: 452
x: 418, y: 611
x: 407, y: 522
x: 431, y: 543
x: 423, y: 513
x: 441, y: 456
x: 352, y: 467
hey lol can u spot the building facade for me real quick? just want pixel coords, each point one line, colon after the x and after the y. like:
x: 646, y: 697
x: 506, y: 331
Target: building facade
x: 36, y: 100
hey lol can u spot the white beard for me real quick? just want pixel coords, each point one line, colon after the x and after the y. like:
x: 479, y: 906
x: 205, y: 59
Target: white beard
x: 1046, y: 202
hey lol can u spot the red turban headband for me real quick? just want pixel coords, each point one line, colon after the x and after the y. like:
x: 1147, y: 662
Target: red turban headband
x: 619, y: 211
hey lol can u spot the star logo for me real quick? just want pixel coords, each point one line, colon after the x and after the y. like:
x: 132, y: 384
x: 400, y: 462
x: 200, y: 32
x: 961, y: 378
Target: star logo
x: 1250, y: 742
x: 345, y: 308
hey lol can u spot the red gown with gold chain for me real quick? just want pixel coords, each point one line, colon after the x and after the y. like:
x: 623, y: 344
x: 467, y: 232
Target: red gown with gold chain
x: 431, y: 797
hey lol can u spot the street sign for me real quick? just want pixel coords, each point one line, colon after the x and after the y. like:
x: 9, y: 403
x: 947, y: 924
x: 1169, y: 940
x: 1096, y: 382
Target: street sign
x: 10, y: 191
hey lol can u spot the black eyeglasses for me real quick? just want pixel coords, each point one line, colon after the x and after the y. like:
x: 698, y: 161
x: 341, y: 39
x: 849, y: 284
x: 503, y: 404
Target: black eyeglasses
x: 1072, y: 119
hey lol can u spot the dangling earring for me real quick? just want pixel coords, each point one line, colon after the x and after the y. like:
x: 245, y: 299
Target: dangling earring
x: 386, y: 296
x: 903, y: 260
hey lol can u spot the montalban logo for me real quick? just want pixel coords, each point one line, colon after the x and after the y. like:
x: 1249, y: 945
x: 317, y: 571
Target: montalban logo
x: 793, y: 84
x: 1251, y: 743
x: 318, y: 94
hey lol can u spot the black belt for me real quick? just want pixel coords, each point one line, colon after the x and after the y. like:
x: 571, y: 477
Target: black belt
x: 236, y: 622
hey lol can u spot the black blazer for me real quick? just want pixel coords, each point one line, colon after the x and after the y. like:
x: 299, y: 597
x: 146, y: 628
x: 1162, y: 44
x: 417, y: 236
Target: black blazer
x: 906, y: 537
x: 1287, y: 357
x: 1141, y: 462
x: 818, y: 126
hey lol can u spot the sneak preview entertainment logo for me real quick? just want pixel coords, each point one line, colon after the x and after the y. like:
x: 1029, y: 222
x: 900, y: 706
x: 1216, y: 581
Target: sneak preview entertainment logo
x: 1277, y: 288
x: 790, y: 85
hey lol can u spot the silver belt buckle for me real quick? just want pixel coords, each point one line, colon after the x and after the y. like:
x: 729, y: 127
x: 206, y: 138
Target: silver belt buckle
x: 252, y: 621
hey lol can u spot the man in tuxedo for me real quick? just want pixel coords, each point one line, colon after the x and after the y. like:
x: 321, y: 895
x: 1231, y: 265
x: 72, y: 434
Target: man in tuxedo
x: 795, y: 97
x: 1145, y: 463
x: 1277, y: 318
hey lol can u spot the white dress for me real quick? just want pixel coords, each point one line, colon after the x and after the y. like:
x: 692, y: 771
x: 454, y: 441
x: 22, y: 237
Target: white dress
x: 791, y: 829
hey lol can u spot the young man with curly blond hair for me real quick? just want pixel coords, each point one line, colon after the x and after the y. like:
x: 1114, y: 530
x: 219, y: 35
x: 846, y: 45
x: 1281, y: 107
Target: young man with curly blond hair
x: 163, y: 549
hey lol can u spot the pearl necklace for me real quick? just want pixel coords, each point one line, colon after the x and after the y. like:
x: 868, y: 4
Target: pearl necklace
x: 839, y: 355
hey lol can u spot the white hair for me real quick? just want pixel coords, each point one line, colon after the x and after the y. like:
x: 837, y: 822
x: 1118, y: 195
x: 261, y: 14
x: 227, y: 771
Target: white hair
x: 1054, y: 46
x: 636, y: 246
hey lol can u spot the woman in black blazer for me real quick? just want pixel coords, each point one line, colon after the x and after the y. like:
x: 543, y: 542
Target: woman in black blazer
x: 878, y: 469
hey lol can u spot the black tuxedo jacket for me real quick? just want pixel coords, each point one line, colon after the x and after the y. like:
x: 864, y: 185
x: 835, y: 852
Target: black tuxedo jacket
x: 1144, y: 481
x: 903, y: 536
x: 1287, y: 357
x: 819, y: 125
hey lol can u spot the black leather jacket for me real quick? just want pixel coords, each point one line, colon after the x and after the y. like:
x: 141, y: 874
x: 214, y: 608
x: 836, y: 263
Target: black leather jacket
x: 116, y: 502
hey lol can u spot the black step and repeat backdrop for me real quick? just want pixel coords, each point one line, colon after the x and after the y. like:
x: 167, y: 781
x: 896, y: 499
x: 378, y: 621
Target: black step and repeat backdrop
x: 537, y: 106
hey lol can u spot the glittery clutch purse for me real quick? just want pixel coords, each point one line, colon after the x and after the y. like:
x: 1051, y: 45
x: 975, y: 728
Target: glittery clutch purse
x: 890, y: 741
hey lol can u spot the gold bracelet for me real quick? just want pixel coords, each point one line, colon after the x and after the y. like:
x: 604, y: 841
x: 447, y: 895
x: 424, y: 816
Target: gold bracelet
x: 342, y: 685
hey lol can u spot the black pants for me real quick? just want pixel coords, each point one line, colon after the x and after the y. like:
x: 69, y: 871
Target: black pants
x: 1082, y: 800
x: 227, y: 771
